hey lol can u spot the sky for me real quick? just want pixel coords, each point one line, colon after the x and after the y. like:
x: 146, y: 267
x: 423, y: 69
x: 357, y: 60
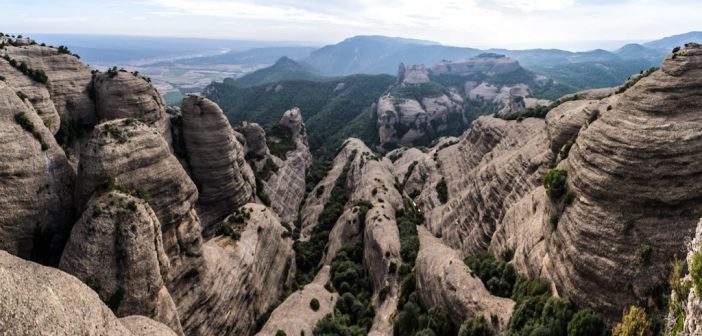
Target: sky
x: 514, y: 24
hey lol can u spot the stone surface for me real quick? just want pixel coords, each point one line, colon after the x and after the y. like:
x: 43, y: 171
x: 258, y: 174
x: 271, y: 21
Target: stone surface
x: 70, y: 80
x: 38, y: 300
x: 443, y: 280
x: 36, y: 211
x: 126, y: 95
x: 243, y: 277
x: 116, y: 247
x: 487, y: 64
x: 224, y: 180
x: 565, y: 121
x: 142, y: 326
x: 634, y: 167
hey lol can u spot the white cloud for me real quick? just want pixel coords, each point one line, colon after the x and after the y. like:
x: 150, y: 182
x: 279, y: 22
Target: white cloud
x: 536, y: 5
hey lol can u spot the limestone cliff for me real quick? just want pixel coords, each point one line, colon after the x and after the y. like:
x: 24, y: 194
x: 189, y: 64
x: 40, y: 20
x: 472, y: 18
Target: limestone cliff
x: 46, y: 301
x: 116, y: 248
x: 36, y: 212
x: 216, y: 159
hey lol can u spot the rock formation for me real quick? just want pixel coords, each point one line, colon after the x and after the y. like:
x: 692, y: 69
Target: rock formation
x: 120, y: 94
x: 630, y: 174
x: 488, y: 64
x: 216, y: 160
x: 116, y: 248
x: 46, y: 301
x: 443, y: 280
x: 36, y: 212
x: 134, y: 157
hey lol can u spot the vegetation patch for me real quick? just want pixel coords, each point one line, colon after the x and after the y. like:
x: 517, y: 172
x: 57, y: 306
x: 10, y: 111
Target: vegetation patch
x: 37, y: 75
x: 309, y: 253
x: 555, y: 183
x: 279, y: 139
x: 635, y: 322
x: 22, y: 119
x: 442, y: 191
x: 631, y: 82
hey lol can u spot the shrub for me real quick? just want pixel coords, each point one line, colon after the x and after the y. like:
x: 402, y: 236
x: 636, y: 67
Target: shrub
x: 132, y: 206
x: 680, y: 289
x: 555, y: 183
x: 565, y: 150
x: 279, y: 139
x: 586, y: 323
x: 314, y: 304
x: 676, y: 49
x: 643, y: 255
x: 696, y: 272
x: 26, y: 124
x: 442, y: 191
x: 635, y: 322
x: 596, y: 114
x: 280, y: 333
x: 97, y: 211
x: 498, y: 276
x: 477, y: 326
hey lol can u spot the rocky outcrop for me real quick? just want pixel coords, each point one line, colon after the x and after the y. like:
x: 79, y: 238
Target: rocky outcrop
x: 142, y: 326
x: 36, y: 182
x: 565, y: 121
x: 216, y: 160
x: 116, y: 248
x: 120, y: 94
x: 294, y: 316
x: 286, y: 186
x: 38, y: 300
x: 632, y: 176
x: 246, y: 272
x: 443, y: 280
x: 36, y: 92
x: 69, y: 80
x: 134, y: 157
x: 255, y: 137
x: 488, y: 64
x: 413, y: 75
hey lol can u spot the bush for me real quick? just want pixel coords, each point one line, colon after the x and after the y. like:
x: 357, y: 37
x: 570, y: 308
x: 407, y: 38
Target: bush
x: 477, y: 326
x: 555, y: 183
x: 442, y: 191
x: 26, y: 124
x: 696, y: 272
x: 279, y: 139
x: 643, y: 255
x: 314, y: 304
x: 280, y: 333
x: 586, y: 323
x: 498, y: 276
x: 635, y: 322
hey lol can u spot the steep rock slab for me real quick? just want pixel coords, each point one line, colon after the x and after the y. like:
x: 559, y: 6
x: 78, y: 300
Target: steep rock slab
x: 37, y: 93
x: 36, y: 211
x: 216, y: 159
x: 565, y: 121
x: 130, y: 155
x: 493, y: 166
x: 38, y: 300
x: 294, y: 316
x: 142, y: 326
x: 286, y: 187
x: 116, y: 248
x: 70, y: 81
x: 443, y: 280
x: 122, y: 94
x: 633, y: 173
x: 243, y: 276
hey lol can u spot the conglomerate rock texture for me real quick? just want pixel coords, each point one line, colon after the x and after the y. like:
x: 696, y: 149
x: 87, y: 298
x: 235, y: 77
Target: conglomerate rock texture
x: 216, y: 160
x: 36, y: 183
x: 116, y: 248
x: 635, y: 202
x: 46, y: 301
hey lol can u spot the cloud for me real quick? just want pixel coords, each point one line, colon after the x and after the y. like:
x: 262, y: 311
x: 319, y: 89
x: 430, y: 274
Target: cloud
x: 536, y: 5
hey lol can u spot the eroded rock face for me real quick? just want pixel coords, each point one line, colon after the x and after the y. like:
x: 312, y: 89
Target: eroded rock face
x: 443, y: 280
x: 631, y: 174
x: 142, y: 326
x: 216, y: 160
x: 126, y: 95
x: 286, y: 186
x: 38, y: 300
x: 116, y: 248
x: 255, y: 137
x: 69, y: 83
x: 244, y: 276
x: 692, y: 304
x: 294, y: 316
x: 489, y: 64
x: 36, y: 212
x: 37, y: 94
x: 134, y: 157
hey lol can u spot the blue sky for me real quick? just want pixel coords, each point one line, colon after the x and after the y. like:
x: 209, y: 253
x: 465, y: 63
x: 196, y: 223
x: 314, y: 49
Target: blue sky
x: 475, y: 23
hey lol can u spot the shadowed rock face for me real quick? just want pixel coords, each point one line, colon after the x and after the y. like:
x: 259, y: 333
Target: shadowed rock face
x: 116, y: 247
x: 36, y: 212
x: 135, y: 157
x: 125, y: 95
x: 46, y: 301
x: 216, y: 159
x: 633, y: 174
